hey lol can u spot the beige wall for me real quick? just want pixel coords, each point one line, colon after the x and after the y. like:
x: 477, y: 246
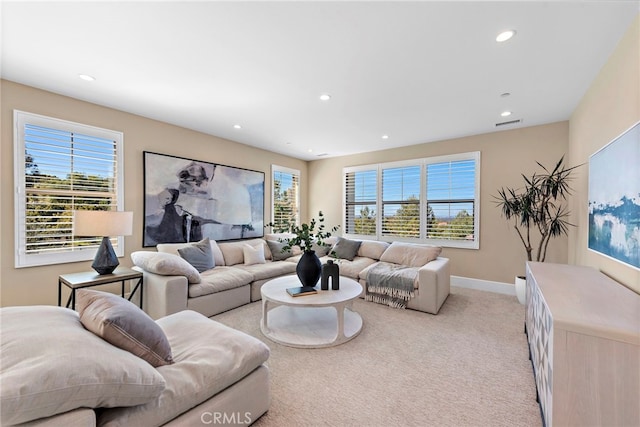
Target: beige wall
x: 38, y: 285
x: 504, y: 156
x: 610, y: 106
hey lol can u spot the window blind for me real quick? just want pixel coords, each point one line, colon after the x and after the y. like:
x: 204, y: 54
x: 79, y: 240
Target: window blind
x: 62, y: 167
x: 286, y: 196
x: 361, y: 205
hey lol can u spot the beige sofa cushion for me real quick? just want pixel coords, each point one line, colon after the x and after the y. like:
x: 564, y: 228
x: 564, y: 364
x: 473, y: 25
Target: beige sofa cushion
x: 268, y: 270
x: 220, y: 279
x: 372, y: 249
x: 51, y: 364
x: 348, y: 268
x: 410, y: 254
x: 209, y: 357
x: 124, y: 325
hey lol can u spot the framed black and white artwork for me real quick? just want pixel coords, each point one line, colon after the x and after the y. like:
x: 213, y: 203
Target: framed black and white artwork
x: 186, y: 200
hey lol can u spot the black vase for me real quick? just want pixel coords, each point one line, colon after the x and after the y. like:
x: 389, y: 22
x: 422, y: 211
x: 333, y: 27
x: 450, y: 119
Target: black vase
x: 309, y: 269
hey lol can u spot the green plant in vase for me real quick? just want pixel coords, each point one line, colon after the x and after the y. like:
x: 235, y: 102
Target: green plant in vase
x: 305, y: 235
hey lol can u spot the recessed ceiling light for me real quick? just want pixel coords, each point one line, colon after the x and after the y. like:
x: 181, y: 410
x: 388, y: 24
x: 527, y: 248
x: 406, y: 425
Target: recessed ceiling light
x: 505, y: 113
x: 325, y: 97
x: 385, y: 136
x: 505, y: 35
x: 237, y: 127
x: 310, y: 150
x: 86, y: 77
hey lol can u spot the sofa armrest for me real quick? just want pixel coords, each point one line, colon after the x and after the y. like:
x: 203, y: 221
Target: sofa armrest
x: 163, y: 295
x: 434, y: 284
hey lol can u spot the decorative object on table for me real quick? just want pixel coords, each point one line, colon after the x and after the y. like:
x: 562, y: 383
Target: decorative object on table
x: 614, y: 207
x: 301, y: 291
x: 187, y: 200
x: 539, y: 209
x: 306, y: 236
x: 330, y: 272
x: 105, y: 224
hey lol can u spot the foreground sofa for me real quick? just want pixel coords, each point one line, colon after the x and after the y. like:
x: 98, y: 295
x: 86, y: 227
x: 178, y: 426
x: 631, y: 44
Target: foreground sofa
x: 173, y: 285
x: 56, y: 372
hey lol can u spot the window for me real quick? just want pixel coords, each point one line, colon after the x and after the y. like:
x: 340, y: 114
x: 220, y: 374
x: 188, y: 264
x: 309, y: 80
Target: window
x: 432, y: 200
x: 361, y: 206
x: 285, y: 196
x: 60, y: 167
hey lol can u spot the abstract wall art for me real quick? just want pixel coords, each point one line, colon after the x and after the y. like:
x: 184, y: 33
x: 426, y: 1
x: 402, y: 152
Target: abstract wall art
x: 614, y: 198
x: 186, y: 200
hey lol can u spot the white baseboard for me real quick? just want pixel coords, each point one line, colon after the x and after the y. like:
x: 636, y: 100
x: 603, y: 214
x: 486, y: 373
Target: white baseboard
x: 484, y: 285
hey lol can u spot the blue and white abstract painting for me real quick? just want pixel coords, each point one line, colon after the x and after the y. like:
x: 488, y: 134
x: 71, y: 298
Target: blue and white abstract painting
x: 614, y: 198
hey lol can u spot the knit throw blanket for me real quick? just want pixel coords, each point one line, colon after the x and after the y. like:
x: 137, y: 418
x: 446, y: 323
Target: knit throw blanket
x: 391, y: 284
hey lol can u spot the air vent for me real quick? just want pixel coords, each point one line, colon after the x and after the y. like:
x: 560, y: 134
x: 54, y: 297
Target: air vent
x: 322, y: 154
x: 510, y: 122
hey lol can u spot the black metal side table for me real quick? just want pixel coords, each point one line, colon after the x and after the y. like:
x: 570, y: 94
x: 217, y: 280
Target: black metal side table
x: 87, y: 279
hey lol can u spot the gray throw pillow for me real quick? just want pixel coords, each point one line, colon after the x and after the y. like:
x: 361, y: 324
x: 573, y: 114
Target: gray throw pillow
x: 123, y: 324
x: 199, y: 255
x: 345, y: 248
x: 320, y: 250
x: 276, y: 250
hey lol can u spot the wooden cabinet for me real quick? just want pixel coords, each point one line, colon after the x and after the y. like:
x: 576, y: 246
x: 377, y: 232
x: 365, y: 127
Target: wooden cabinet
x: 583, y: 330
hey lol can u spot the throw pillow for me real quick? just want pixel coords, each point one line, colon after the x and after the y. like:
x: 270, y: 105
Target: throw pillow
x: 199, y: 255
x: 121, y: 323
x: 345, y: 248
x: 276, y: 250
x: 165, y: 264
x: 253, y: 254
x: 172, y: 248
x: 51, y: 364
x: 320, y: 250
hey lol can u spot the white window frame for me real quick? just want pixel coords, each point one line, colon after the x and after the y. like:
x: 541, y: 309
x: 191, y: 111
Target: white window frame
x: 423, y: 163
x: 22, y: 258
x: 283, y: 169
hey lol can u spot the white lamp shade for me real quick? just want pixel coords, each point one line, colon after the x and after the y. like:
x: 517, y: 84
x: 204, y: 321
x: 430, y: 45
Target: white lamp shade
x: 102, y: 223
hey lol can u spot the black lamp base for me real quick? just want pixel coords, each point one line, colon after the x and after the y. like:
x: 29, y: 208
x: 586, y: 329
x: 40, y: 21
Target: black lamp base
x: 106, y: 260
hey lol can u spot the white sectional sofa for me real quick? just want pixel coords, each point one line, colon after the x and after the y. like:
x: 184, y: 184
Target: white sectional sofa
x: 235, y: 281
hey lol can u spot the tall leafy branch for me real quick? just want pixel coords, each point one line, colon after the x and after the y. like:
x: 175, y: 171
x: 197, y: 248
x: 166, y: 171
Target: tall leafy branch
x: 540, y: 205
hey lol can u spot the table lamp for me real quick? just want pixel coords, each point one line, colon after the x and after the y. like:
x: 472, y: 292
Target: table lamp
x: 106, y: 224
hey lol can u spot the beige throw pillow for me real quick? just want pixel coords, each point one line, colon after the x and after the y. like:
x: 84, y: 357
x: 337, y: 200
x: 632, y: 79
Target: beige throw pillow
x: 121, y: 323
x: 165, y: 264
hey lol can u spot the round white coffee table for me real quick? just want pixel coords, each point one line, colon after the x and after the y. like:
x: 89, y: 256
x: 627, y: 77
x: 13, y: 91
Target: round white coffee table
x: 320, y: 320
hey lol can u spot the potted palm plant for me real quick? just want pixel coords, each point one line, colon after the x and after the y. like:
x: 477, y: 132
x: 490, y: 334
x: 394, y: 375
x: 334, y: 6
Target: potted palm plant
x: 305, y: 236
x: 538, y: 211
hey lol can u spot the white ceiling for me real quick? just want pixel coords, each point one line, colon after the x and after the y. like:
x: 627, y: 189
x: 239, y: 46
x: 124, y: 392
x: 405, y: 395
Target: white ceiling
x: 416, y: 71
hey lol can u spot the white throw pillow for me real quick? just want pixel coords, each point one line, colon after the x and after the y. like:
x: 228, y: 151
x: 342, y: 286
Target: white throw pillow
x: 165, y: 264
x: 253, y: 254
x: 51, y: 364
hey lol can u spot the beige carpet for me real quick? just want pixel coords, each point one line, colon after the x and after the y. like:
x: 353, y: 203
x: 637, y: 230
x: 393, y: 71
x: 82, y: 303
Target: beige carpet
x: 467, y: 366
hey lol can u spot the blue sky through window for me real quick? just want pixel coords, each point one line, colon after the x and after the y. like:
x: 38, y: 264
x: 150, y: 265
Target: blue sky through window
x: 58, y: 153
x: 447, y: 181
